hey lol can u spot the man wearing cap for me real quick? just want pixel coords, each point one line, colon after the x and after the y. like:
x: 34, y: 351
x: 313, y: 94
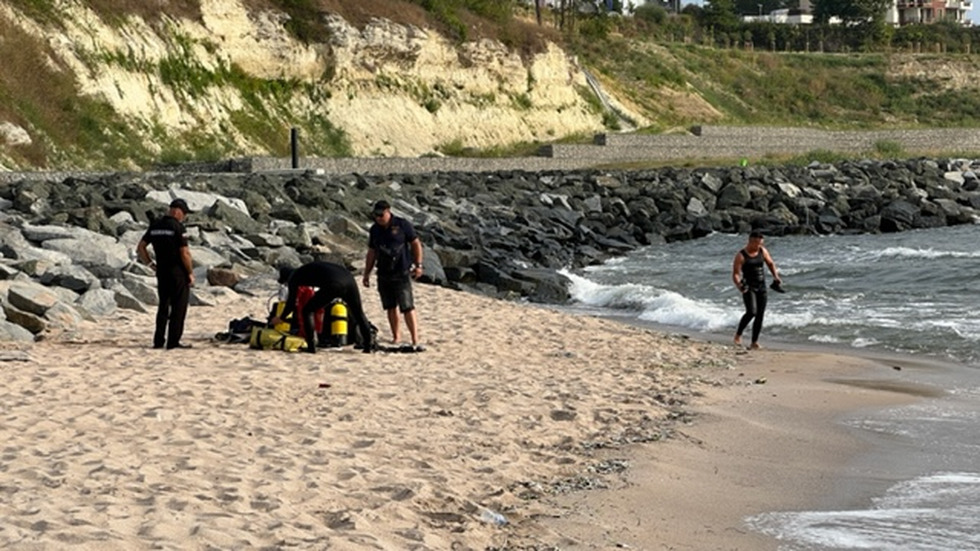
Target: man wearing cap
x: 396, y: 251
x: 175, y: 274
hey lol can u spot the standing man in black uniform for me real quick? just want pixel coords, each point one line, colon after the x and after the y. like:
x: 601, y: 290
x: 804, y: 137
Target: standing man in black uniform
x: 396, y: 250
x: 332, y: 281
x: 749, y: 276
x: 175, y: 273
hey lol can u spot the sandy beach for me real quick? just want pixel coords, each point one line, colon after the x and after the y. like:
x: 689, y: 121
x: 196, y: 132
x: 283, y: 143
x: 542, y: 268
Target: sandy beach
x: 581, y: 433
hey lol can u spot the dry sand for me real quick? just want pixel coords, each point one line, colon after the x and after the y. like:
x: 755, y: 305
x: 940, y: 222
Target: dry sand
x: 108, y: 444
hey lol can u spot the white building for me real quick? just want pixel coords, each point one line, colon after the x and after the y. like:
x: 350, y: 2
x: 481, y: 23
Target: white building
x: 901, y: 12
x: 906, y: 12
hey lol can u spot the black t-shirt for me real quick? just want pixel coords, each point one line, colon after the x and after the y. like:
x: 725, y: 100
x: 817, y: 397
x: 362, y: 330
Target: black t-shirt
x: 167, y: 236
x: 393, y: 256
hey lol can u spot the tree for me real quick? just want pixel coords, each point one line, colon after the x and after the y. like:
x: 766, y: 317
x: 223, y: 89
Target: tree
x: 850, y: 11
x: 720, y: 15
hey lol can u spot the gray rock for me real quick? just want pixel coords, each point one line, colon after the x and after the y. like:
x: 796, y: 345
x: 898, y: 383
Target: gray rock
x: 122, y: 218
x: 126, y: 300
x: 98, y: 302
x: 89, y: 252
x: 28, y: 320
x: 200, y: 297
x: 593, y: 204
x: 73, y: 277
x: 207, y: 258
x: 14, y: 245
x: 263, y: 239
x: 31, y: 297
x: 42, y: 233
x: 297, y: 236
x: 196, y: 200
x: 696, y: 208
x: 11, y: 332
x: 8, y: 271
x: 143, y: 288
x: 63, y: 316
x: 235, y: 219
x: 34, y: 267
x: 898, y: 216
x: 712, y: 182
x: 733, y: 196
x: 346, y: 225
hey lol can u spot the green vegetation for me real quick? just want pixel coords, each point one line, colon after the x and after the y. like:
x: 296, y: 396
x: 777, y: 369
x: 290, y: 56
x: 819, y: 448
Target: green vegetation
x: 797, y: 89
x: 453, y: 13
x: 889, y: 149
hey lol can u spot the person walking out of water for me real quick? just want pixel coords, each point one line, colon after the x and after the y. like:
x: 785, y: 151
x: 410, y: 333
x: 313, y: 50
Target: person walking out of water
x: 749, y: 276
x: 175, y: 273
x: 396, y: 250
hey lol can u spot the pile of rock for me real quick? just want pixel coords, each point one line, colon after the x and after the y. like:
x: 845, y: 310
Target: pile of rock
x: 68, y: 245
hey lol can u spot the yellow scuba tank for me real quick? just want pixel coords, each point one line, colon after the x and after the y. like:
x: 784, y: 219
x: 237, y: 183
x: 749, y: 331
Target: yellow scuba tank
x: 338, y: 323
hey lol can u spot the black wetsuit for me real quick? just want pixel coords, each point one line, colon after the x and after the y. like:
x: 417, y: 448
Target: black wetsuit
x: 754, y: 296
x: 332, y: 281
x: 167, y: 237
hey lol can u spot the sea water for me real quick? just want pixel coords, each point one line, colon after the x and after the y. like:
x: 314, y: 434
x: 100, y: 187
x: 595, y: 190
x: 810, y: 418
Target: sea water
x: 914, y: 294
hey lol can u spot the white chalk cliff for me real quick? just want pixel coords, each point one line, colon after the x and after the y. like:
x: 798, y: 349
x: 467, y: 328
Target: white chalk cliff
x: 393, y: 90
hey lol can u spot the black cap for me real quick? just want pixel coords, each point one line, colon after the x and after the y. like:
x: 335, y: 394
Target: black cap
x: 380, y: 207
x: 180, y: 204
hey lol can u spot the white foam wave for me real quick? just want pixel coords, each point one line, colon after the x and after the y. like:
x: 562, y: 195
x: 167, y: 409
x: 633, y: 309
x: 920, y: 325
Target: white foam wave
x: 630, y: 296
x: 903, y: 252
x: 656, y: 305
x: 932, y: 513
x: 673, y: 309
x: 864, y: 342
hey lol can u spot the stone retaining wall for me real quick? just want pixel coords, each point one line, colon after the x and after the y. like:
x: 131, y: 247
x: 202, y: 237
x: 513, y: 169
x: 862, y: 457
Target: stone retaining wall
x: 705, y: 142
x: 756, y: 141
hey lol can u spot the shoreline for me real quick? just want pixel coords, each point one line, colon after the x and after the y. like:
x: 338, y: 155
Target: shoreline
x: 776, y: 441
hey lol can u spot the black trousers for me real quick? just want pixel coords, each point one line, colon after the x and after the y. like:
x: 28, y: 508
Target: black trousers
x: 174, y: 293
x: 755, y: 308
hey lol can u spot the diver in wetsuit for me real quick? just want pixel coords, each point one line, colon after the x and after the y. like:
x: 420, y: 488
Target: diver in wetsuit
x: 749, y: 276
x: 332, y: 281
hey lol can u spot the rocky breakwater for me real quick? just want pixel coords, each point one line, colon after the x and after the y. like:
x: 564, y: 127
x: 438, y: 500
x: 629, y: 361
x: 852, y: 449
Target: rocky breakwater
x: 67, y: 244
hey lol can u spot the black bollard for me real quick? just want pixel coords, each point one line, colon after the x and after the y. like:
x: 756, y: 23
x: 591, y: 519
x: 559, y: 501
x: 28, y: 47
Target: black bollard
x: 294, y: 145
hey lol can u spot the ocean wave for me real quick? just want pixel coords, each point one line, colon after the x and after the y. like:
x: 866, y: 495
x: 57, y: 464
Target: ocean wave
x: 652, y: 304
x: 630, y: 296
x: 932, y: 513
x: 910, y: 252
x: 674, y: 309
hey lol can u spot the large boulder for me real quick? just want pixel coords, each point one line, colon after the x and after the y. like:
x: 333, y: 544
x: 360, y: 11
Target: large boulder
x: 11, y: 332
x: 31, y: 297
x: 98, y: 302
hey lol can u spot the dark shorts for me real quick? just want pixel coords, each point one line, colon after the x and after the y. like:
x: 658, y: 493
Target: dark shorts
x: 396, y: 292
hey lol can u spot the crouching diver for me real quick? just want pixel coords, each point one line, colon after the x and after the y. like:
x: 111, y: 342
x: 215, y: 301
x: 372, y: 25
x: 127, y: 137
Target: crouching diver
x: 332, y: 281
